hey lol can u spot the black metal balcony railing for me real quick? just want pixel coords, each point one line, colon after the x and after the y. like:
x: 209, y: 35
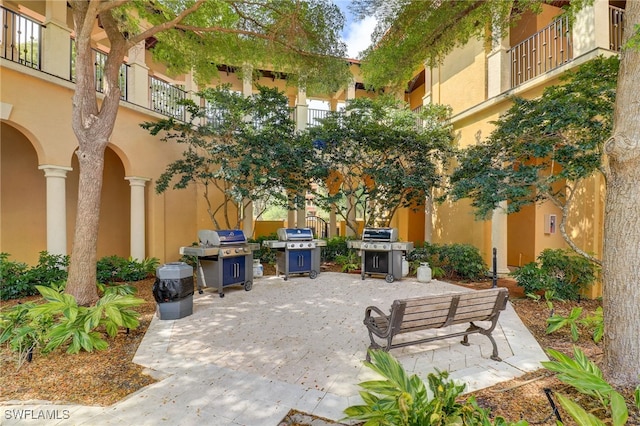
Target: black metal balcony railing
x: 544, y: 51
x: 20, y: 39
x: 164, y: 97
x: 100, y: 59
x: 616, y: 21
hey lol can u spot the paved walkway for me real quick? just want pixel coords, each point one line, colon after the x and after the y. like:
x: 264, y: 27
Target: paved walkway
x: 250, y: 357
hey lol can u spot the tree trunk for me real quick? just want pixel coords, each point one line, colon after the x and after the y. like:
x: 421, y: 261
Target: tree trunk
x: 92, y: 126
x: 621, y: 256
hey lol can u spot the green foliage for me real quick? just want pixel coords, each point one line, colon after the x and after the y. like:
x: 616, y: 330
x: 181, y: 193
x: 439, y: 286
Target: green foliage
x: 265, y: 254
x: 560, y: 271
x: 23, y: 332
x: 593, y: 322
x: 19, y: 280
x: 349, y: 261
x: 453, y: 261
x: 59, y: 321
x: 376, y: 154
x: 118, y: 269
x: 402, y: 400
x: 247, y: 160
x: 542, y: 149
x: 14, y: 282
x: 586, y: 377
x: 336, y: 246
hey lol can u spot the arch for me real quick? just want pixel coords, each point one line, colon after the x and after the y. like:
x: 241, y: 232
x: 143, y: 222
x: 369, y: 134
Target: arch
x: 22, y: 196
x: 115, y: 206
x: 124, y: 158
x: 28, y: 135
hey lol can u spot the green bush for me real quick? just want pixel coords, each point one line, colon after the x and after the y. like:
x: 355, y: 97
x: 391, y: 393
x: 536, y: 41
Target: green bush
x: 563, y: 272
x: 456, y: 261
x: 336, y: 246
x: 401, y: 400
x: 265, y: 254
x: 118, y: 269
x: 19, y: 280
x: 60, y: 322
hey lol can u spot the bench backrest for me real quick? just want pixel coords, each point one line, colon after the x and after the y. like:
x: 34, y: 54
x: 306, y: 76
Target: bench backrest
x: 440, y: 311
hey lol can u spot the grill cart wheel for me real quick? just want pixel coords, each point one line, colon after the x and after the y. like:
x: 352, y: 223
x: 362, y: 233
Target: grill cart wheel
x: 389, y: 278
x: 313, y: 274
x: 221, y: 294
x: 248, y: 285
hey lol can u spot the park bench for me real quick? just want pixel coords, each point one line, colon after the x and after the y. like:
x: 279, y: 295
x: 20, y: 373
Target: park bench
x: 434, y: 312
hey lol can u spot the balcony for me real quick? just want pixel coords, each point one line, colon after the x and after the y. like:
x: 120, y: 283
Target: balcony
x: 551, y: 47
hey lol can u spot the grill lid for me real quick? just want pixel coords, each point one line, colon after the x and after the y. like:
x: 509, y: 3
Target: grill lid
x: 295, y: 234
x: 380, y: 234
x: 221, y: 237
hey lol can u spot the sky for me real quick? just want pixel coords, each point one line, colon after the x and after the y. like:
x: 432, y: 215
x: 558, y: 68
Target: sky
x: 356, y: 34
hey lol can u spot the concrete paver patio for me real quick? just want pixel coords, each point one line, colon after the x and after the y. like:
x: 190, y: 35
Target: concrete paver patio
x: 250, y: 357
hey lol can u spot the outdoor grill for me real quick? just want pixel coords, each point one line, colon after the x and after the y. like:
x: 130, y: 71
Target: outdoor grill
x: 381, y: 252
x: 224, y: 258
x: 297, y: 252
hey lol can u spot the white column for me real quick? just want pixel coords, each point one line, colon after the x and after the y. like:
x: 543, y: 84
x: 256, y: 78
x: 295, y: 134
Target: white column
x: 56, y: 208
x: 498, y: 65
x: 138, y: 76
x: 591, y: 28
x: 499, y: 237
x: 302, y: 109
x: 138, y: 223
x: 56, y: 38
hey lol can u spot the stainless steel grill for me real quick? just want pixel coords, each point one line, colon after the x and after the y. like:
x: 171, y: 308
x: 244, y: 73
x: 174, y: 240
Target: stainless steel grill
x: 297, y: 252
x: 381, y: 252
x: 224, y: 258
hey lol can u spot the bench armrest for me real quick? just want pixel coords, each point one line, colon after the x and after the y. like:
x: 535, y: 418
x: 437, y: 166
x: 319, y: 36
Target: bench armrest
x: 377, y: 323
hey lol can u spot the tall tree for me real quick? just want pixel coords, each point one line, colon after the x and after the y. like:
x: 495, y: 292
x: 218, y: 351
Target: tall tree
x: 379, y: 156
x: 300, y: 38
x: 411, y: 32
x: 543, y: 149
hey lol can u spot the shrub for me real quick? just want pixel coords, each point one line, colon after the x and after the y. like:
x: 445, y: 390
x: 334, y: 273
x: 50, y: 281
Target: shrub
x: 19, y: 280
x: 336, y: 246
x: 454, y: 261
x: 402, y: 400
x: 265, y: 254
x: 563, y: 272
x: 14, y: 280
x: 60, y: 322
x: 118, y: 269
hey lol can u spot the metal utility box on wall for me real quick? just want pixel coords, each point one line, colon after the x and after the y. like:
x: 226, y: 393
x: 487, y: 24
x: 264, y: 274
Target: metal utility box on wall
x: 550, y: 223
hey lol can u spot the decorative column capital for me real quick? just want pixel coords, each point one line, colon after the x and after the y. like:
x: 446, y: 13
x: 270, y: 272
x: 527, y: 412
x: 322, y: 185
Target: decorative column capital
x: 137, y: 180
x: 54, y: 171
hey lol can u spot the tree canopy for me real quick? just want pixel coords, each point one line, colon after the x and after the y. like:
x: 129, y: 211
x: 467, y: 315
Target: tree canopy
x: 299, y: 40
x: 410, y: 33
x: 381, y: 156
x: 542, y: 149
x: 243, y: 147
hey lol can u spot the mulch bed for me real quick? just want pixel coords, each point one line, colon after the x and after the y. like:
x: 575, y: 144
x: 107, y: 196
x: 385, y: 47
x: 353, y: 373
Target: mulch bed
x: 105, y: 377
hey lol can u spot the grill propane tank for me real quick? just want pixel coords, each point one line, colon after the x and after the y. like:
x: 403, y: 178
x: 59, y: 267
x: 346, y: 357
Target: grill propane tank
x: 424, y: 272
x: 405, y: 266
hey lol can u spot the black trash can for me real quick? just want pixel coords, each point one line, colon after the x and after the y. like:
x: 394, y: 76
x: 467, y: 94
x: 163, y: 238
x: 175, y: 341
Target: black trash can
x: 173, y: 291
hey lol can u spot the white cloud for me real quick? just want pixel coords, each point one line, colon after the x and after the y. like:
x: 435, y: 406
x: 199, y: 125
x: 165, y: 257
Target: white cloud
x: 357, y: 35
